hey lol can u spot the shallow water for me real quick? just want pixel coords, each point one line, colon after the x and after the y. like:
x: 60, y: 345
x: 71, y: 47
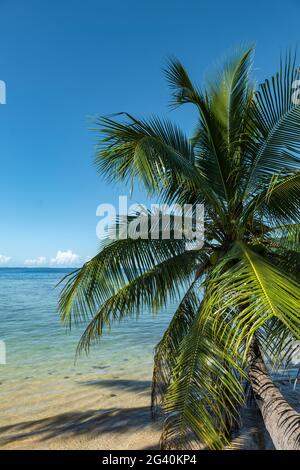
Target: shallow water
x: 40, y: 376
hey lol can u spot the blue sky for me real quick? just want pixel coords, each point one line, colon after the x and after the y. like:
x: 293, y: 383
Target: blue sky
x: 65, y: 61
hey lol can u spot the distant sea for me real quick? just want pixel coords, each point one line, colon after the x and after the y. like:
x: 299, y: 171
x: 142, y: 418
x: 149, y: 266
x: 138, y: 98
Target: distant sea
x: 41, y: 351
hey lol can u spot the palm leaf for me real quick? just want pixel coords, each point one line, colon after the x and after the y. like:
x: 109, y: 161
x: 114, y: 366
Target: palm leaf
x: 204, y: 394
x: 249, y: 293
x: 166, y: 351
x: 154, y: 151
x: 152, y: 290
x: 276, y: 119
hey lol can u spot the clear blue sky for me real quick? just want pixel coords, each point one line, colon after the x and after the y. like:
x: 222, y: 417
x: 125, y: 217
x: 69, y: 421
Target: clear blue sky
x: 64, y: 61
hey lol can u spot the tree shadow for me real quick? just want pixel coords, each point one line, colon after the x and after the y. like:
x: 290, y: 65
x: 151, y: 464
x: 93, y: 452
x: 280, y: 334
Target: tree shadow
x: 90, y: 423
x: 137, y: 386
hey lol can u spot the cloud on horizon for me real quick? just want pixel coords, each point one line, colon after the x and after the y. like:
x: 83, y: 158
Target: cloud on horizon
x: 4, y: 259
x: 40, y: 261
x: 65, y: 258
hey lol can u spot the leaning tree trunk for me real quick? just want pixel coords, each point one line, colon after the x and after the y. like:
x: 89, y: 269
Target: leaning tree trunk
x: 281, y: 420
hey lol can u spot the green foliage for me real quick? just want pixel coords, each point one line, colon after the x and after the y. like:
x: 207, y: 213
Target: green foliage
x: 242, y: 162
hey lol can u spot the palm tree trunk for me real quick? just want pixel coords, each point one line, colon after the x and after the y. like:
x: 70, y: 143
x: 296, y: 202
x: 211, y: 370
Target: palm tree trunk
x: 281, y: 420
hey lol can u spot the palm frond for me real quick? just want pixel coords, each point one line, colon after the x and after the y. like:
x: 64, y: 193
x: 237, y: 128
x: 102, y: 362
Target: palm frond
x: 151, y: 290
x: 249, y: 293
x: 166, y: 351
x: 154, y: 151
x: 222, y: 133
x: 279, y: 201
x: 119, y: 262
x: 184, y: 91
x: 276, y: 119
x: 205, y: 392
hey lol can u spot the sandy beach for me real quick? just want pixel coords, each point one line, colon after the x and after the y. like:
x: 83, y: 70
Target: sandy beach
x: 110, y: 413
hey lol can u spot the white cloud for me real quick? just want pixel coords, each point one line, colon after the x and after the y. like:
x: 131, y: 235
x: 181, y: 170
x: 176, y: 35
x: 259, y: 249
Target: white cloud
x: 65, y: 258
x: 4, y: 259
x: 40, y: 261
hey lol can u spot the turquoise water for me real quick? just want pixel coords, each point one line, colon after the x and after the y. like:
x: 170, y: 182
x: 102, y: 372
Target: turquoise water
x: 48, y: 401
x: 38, y: 345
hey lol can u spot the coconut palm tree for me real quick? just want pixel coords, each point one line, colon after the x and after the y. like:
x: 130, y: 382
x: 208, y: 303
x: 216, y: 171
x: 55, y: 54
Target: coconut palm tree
x: 238, y: 295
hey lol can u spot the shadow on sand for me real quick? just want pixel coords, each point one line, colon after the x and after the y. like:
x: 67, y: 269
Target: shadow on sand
x: 137, y: 386
x: 90, y: 423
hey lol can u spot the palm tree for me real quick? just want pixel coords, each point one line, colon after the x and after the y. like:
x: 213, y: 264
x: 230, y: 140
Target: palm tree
x: 238, y: 296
